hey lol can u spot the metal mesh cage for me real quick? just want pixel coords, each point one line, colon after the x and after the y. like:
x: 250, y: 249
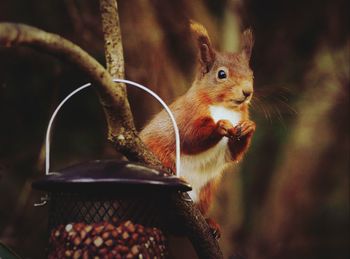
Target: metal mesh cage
x: 106, y: 226
x: 72, y: 207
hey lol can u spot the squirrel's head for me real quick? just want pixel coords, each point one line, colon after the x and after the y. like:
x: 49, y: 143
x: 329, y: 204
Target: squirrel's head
x: 223, y: 78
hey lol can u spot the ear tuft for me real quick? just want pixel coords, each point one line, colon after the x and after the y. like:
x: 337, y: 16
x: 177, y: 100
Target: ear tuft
x: 199, y: 30
x: 206, y: 52
x: 247, y: 43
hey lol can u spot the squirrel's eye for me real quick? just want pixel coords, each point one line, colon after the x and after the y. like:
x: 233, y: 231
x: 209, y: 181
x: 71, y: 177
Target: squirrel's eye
x: 222, y: 74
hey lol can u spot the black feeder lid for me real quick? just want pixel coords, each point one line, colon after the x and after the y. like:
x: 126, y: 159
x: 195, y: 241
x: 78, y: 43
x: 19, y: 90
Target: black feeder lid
x: 110, y: 175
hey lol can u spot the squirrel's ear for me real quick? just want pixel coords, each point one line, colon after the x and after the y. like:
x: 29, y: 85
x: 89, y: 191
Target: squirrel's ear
x: 247, y: 43
x: 206, y: 52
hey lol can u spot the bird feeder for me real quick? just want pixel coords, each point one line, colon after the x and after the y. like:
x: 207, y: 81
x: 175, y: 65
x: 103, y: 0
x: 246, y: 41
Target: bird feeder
x: 107, y: 208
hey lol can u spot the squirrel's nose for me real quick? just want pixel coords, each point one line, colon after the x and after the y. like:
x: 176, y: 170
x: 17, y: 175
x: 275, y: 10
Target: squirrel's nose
x: 246, y: 93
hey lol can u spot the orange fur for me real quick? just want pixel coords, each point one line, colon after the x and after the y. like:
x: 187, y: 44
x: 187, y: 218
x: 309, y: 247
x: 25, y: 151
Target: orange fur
x: 199, y: 133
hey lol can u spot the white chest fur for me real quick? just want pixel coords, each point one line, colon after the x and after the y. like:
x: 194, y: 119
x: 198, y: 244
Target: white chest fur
x: 222, y: 113
x: 199, y: 169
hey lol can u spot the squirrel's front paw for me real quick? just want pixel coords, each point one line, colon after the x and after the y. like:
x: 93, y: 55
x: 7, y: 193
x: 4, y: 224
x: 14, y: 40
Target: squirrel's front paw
x: 243, y: 128
x: 223, y: 127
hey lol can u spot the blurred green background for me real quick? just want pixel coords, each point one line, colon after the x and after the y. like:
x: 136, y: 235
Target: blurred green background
x: 289, y: 198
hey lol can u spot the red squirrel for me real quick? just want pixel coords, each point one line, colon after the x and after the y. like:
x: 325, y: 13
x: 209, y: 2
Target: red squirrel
x: 212, y: 117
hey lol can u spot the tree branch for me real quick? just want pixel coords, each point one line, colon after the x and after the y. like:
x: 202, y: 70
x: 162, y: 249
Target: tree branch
x: 113, y: 40
x: 196, y: 227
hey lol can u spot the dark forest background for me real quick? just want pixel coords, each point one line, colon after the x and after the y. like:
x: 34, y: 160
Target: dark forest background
x: 289, y: 198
